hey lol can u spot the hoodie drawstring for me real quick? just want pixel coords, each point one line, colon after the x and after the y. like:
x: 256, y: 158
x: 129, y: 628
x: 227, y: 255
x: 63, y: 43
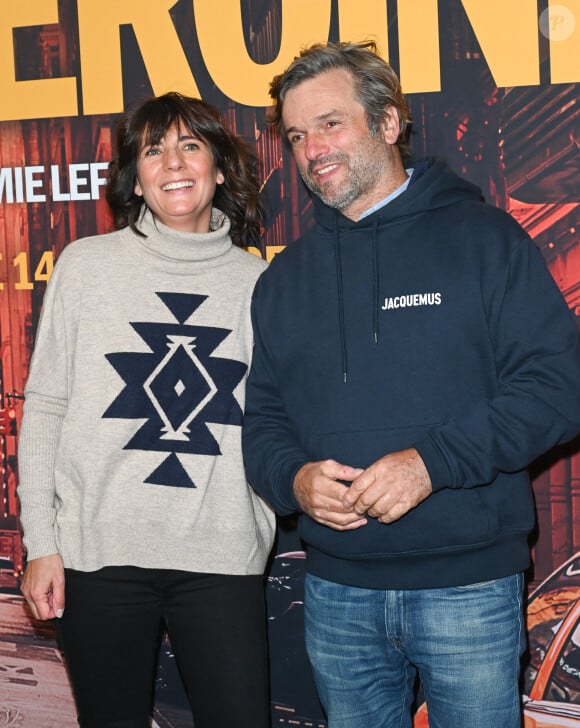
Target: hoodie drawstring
x: 342, y: 334
x: 375, y: 253
x: 339, y: 288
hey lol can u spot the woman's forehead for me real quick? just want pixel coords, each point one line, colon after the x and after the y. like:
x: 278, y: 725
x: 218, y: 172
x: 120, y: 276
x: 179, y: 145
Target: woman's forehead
x: 156, y: 131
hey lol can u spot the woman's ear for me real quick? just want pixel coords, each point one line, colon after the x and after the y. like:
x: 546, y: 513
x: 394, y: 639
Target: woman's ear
x: 220, y: 179
x: 137, y: 189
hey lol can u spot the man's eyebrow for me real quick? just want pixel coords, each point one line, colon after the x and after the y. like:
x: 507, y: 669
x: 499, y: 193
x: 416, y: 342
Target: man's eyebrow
x: 317, y: 119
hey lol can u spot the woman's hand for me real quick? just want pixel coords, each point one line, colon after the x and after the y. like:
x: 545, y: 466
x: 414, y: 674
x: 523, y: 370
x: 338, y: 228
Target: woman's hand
x: 43, y: 586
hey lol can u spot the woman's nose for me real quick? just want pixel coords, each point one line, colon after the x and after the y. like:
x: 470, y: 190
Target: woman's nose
x: 173, y: 158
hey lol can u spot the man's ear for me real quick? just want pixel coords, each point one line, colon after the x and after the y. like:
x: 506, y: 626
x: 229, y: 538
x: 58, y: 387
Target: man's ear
x: 390, y: 126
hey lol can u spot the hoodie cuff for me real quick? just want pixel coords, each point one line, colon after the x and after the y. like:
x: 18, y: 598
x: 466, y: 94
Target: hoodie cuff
x: 437, y: 466
x: 287, y: 503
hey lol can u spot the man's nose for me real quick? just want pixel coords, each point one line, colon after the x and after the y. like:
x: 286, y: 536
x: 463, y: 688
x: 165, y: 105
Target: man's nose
x: 315, y: 145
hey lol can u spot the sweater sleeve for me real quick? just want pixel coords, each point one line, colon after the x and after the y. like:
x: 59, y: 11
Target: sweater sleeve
x: 537, y: 403
x: 271, y: 453
x: 43, y: 413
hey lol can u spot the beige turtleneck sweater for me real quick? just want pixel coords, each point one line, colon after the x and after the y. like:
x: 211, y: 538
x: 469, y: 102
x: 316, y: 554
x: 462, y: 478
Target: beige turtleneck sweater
x: 130, y: 444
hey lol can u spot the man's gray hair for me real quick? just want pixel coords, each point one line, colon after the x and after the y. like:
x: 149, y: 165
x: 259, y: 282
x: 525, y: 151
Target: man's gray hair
x: 376, y: 85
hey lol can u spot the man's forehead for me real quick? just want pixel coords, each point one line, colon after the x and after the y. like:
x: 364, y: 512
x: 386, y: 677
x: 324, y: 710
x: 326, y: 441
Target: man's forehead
x: 334, y: 80
x: 317, y: 98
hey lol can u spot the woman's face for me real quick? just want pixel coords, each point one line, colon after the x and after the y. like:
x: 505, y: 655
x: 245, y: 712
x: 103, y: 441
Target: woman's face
x: 177, y: 179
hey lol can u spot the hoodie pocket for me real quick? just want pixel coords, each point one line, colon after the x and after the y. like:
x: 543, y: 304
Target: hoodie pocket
x: 447, y: 520
x: 360, y: 448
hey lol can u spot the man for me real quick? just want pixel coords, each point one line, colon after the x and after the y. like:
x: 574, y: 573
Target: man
x: 412, y: 357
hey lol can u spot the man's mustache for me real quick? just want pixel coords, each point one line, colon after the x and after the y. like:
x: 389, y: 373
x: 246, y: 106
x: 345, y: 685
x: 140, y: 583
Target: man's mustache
x: 323, y: 161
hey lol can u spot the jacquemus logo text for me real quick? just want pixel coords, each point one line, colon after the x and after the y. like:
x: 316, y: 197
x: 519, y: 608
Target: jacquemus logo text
x: 412, y: 299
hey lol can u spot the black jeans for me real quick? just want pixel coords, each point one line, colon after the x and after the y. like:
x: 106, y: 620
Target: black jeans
x: 110, y: 635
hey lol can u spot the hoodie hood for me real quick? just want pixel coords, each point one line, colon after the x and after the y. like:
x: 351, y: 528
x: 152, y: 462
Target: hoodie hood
x: 432, y: 185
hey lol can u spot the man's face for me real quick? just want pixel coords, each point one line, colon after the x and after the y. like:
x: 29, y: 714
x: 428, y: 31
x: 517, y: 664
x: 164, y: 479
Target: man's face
x: 339, y: 159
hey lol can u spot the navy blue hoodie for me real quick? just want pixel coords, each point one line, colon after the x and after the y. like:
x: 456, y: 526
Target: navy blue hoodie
x: 432, y: 323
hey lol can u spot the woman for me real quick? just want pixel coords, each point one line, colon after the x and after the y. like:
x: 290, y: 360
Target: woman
x: 135, y: 507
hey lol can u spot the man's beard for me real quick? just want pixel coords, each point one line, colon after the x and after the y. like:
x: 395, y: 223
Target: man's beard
x: 360, y: 178
x: 339, y: 199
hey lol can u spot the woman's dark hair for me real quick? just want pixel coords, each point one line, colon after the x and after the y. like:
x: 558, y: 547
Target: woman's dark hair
x: 147, y: 123
x: 376, y: 85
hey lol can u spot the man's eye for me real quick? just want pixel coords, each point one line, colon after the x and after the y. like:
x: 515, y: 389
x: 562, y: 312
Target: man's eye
x: 296, y: 139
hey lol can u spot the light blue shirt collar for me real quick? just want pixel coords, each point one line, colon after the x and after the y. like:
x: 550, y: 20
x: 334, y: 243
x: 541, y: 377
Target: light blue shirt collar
x: 391, y: 197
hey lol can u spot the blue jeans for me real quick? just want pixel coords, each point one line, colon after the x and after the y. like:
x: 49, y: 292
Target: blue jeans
x: 366, y: 647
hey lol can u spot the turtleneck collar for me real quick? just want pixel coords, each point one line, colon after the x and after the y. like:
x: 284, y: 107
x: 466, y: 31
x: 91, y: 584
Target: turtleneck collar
x: 166, y: 242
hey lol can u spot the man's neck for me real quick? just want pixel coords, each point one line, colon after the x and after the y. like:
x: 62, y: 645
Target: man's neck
x: 391, y: 182
x: 390, y: 197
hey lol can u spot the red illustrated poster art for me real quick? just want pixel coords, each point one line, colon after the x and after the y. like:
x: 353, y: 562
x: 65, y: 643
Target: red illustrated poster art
x: 494, y: 88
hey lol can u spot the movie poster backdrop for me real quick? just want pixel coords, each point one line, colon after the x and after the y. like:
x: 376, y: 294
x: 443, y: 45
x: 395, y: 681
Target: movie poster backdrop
x: 494, y: 87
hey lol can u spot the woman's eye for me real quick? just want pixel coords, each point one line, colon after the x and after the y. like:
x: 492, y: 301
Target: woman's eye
x: 152, y: 151
x: 191, y: 146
